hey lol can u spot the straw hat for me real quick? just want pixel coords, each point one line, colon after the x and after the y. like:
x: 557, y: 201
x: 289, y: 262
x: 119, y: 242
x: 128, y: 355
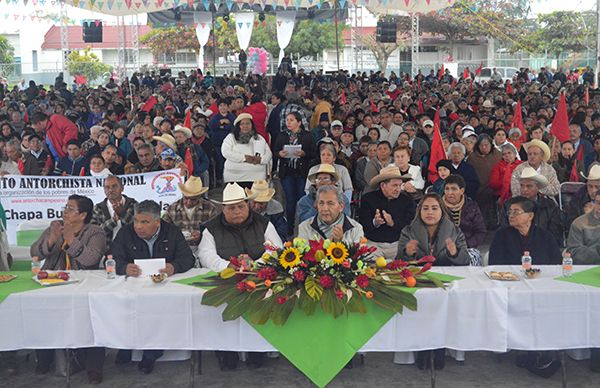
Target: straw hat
x: 234, y: 193
x: 324, y: 169
x: 488, y: 104
x: 593, y: 174
x: 389, y: 172
x: 530, y: 173
x: 192, y: 187
x: 541, y: 145
x: 261, y: 191
x: 242, y: 116
x: 167, y: 139
x: 186, y: 131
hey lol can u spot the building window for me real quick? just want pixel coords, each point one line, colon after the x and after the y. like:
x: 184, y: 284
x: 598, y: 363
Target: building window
x: 34, y: 60
x: 178, y: 58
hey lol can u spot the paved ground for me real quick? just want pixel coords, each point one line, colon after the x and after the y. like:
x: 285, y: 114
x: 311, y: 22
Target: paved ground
x: 481, y: 369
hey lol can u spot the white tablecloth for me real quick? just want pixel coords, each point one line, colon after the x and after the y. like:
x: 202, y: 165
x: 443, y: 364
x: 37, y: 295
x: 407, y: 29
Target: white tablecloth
x: 472, y: 314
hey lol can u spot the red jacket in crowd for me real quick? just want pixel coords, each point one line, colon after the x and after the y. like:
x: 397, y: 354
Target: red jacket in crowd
x: 59, y: 130
x: 500, y: 179
x: 259, y: 113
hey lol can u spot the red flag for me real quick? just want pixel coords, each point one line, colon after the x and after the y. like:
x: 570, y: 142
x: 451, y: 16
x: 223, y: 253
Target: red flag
x: 26, y: 117
x: 120, y: 95
x: 441, y: 73
x: 420, y: 105
x: 518, y: 122
x: 419, y: 84
x: 48, y: 164
x: 579, y: 152
x: 471, y: 88
x: 187, y: 122
x: 509, y: 88
x: 149, y: 104
x: 466, y: 74
x: 586, y: 96
x: 82, y: 171
x: 573, y: 176
x: 21, y: 166
x: 80, y: 80
x: 560, y: 124
x: 478, y: 70
x: 437, y: 148
x: 373, y: 107
x: 343, y: 97
x: 189, y: 162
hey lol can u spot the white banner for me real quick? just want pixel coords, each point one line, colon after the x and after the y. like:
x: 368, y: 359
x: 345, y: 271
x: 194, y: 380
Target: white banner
x: 285, y: 28
x: 32, y: 202
x: 244, y: 23
x: 203, y: 23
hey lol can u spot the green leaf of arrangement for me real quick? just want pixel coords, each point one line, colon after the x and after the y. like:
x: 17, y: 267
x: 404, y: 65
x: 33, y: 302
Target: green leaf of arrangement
x: 219, y: 295
x: 306, y: 303
x: 261, y: 311
x: 437, y: 282
x: 331, y: 304
x: 313, y: 288
x: 405, y: 298
x: 281, y: 312
x: 384, y: 299
x: 236, y: 307
x: 227, y: 273
x: 356, y: 304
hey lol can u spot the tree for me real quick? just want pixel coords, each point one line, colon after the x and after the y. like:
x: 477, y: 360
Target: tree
x: 382, y: 51
x: 86, y: 64
x: 162, y: 41
x: 7, y: 57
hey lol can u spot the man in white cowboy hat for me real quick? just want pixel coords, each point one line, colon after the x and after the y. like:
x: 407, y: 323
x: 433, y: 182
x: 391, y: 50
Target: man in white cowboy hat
x: 163, y: 142
x: 326, y: 175
x: 581, y: 202
x: 385, y: 211
x: 264, y: 204
x: 538, y: 154
x: 191, y: 210
x: 547, y: 214
x: 330, y: 222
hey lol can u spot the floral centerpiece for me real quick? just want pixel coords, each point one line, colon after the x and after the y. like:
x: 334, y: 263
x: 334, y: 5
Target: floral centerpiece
x: 304, y: 274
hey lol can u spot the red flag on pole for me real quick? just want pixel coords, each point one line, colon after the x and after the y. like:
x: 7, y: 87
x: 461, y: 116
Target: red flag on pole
x: 437, y: 148
x: 509, y: 88
x: 573, y: 176
x: 120, y: 95
x: 466, y: 74
x: 419, y: 83
x: 441, y: 73
x: 580, y: 152
x: 48, y: 164
x: 189, y: 162
x: 82, y: 171
x: 586, y: 96
x: 560, y: 124
x: 478, y: 70
x: 420, y: 105
x: 343, y: 97
x: 471, y: 88
x: 149, y: 104
x: 187, y: 122
x: 518, y: 122
x: 21, y: 166
x: 373, y: 107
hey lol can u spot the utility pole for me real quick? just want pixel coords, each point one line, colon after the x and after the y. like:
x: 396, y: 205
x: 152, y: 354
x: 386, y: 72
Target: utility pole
x: 597, y: 44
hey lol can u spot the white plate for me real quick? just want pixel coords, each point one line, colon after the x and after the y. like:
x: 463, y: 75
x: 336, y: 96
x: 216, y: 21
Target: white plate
x: 70, y: 281
x: 503, y: 280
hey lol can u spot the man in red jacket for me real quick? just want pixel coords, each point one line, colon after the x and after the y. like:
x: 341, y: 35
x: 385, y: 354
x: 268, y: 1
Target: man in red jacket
x: 59, y: 130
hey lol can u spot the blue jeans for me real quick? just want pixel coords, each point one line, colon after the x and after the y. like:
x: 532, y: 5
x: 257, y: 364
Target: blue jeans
x: 293, y: 187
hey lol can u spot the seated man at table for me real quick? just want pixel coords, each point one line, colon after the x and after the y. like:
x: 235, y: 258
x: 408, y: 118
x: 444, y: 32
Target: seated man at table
x: 115, y: 210
x: 236, y: 232
x: 326, y: 175
x: 191, y: 210
x: 149, y: 237
x: 330, y: 222
x: 264, y: 204
x: 72, y: 244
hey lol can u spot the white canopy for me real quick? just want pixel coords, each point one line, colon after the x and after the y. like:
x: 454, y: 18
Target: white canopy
x: 132, y: 7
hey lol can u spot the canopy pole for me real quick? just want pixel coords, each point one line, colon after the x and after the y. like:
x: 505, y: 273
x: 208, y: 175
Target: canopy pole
x: 214, y: 39
x: 337, y: 36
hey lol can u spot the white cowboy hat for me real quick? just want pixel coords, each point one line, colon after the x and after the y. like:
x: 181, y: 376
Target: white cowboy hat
x: 233, y: 193
x: 593, y: 174
x: 541, y: 145
x: 530, y: 173
x: 186, y: 131
x: 389, y: 172
x: 488, y: 104
x: 192, y: 187
x: 242, y: 116
x: 261, y: 191
x: 167, y: 139
x: 324, y: 169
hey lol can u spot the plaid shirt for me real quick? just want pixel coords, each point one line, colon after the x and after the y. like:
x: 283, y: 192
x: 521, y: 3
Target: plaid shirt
x: 101, y: 216
x: 289, y: 108
x: 176, y: 214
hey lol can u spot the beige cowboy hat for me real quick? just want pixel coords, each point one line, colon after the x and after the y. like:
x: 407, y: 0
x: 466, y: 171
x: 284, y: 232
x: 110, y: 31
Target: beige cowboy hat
x: 324, y: 169
x: 541, y: 145
x: 593, y: 174
x: 261, y: 191
x: 487, y: 104
x: 242, y: 116
x: 530, y: 173
x: 192, y: 187
x: 167, y: 139
x: 389, y: 172
x: 186, y: 131
x: 234, y: 193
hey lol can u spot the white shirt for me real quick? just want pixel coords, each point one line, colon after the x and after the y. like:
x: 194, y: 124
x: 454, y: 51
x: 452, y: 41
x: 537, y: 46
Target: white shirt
x: 207, y: 250
x: 391, y: 134
x: 111, y: 211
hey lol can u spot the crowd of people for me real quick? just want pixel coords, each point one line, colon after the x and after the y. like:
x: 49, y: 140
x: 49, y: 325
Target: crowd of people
x: 313, y: 155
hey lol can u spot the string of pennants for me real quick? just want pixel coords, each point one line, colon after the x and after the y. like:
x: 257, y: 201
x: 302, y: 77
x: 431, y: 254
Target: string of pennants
x: 204, y: 5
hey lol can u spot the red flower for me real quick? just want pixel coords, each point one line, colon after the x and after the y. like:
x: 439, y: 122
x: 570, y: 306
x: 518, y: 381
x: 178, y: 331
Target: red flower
x: 268, y: 273
x: 299, y: 276
x: 425, y: 268
x: 346, y: 264
x: 241, y: 286
x: 281, y: 299
x: 396, y: 264
x: 362, y: 281
x: 235, y: 262
x: 326, y: 281
x: 339, y: 294
x: 406, y: 273
x: 426, y: 259
x: 315, y: 246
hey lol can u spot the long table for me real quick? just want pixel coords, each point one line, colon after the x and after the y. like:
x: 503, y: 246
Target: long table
x: 474, y: 313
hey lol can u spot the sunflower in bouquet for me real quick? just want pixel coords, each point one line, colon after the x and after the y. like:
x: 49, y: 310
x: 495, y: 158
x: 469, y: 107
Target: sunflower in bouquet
x: 337, y: 277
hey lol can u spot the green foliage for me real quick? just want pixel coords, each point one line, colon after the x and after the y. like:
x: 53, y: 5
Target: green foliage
x: 7, y: 52
x: 87, y: 64
x: 564, y: 31
x: 170, y: 40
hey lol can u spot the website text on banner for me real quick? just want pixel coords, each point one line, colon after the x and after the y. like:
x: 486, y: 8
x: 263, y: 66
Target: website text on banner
x: 32, y: 202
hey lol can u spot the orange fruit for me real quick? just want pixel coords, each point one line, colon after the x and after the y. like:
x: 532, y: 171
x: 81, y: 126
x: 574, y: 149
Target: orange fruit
x: 411, y: 282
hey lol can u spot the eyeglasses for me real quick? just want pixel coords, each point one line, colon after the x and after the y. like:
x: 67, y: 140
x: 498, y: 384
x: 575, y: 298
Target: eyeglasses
x: 70, y: 209
x: 323, y: 179
x: 515, y: 213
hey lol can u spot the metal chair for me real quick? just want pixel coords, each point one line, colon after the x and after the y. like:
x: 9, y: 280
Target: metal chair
x: 567, y: 190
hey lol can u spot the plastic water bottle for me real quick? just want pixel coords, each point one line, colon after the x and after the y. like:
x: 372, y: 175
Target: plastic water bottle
x: 36, y: 266
x: 110, y: 265
x: 525, y: 261
x: 567, y: 265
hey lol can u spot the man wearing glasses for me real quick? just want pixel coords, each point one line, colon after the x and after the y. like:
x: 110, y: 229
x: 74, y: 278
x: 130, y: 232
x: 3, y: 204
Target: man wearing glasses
x: 326, y: 175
